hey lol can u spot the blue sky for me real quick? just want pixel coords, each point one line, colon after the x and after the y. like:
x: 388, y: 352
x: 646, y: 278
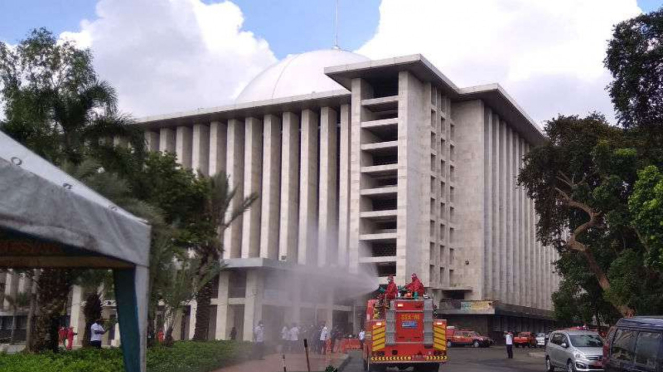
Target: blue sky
x: 290, y: 26
x: 176, y: 55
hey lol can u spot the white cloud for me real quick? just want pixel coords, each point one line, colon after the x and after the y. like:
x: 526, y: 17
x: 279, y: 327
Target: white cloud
x: 168, y: 56
x: 547, y: 54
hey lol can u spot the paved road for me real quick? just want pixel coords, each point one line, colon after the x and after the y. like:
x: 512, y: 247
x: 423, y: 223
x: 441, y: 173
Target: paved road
x: 477, y: 360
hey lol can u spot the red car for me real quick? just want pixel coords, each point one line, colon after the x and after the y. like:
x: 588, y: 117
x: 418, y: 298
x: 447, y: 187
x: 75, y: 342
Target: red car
x: 462, y: 337
x: 525, y: 339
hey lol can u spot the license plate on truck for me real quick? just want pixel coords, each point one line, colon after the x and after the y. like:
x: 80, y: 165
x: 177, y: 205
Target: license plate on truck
x: 409, y: 324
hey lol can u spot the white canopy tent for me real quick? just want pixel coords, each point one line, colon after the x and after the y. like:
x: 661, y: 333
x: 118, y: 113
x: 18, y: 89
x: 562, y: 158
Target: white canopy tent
x: 50, y: 219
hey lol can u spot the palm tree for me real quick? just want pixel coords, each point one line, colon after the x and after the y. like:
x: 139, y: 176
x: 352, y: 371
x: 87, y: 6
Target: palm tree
x: 16, y: 302
x: 187, y: 276
x: 219, y: 213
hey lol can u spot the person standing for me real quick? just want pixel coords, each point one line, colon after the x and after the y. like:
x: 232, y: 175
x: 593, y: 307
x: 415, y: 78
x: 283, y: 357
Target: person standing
x: 362, y: 334
x: 70, y: 338
x: 284, y: 338
x: 233, y: 333
x: 294, y: 337
x: 324, y: 333
x: 96, y: 333
x: 259, y: 338
x: 509, y: 344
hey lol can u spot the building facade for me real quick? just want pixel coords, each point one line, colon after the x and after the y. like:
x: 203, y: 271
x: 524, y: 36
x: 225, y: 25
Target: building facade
x: 368, y: 168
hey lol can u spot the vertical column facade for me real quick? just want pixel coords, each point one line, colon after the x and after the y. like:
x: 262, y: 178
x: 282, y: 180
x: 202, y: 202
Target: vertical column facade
x: 328, y: 196
x: 166, y: 140
x: 344, y: 187
x: 200, y: 152
x: 232, y: 239
x: 271, y: 188
x: 252, y: 185
x: 289, y: 188
x: 151, y: 140
x: 253, y: 302
x: 183, y: 144
x: 308, y: 188
x: 218, y: 133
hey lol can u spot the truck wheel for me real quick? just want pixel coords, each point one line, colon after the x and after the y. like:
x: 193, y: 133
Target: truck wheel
x: 476, y: 344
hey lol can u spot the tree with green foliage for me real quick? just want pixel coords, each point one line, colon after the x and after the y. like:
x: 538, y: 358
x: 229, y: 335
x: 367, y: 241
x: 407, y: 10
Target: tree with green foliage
x: 635, y: 59
x: 217, y: 214
x: 581, y: 180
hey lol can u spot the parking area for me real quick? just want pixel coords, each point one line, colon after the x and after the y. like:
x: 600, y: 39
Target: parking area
x: 493, y: 359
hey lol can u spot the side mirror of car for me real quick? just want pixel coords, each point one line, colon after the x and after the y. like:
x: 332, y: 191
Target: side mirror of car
x: 564, y: 345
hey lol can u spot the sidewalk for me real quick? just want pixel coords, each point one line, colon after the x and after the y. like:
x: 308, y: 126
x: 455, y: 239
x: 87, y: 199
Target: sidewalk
x: 294, y: 362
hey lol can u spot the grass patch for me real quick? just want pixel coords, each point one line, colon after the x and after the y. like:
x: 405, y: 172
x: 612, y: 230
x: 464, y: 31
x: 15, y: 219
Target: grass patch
x: 184, y: 356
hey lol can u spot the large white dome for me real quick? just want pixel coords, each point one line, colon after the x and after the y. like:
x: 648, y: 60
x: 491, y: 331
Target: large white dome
x: 298, y: 74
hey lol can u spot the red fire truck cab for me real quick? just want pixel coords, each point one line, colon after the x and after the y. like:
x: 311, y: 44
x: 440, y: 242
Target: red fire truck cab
x: 404, y: 335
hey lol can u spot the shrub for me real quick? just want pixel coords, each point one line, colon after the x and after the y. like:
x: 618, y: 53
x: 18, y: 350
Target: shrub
x: 183, y: 356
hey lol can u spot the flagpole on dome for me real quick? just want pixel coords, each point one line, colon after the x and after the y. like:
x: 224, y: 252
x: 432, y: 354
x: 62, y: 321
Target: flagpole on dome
x: 336, y: 29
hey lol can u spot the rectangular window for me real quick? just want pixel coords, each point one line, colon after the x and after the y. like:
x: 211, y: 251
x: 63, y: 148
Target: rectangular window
x: 623, y: 345
x: 646, y: 349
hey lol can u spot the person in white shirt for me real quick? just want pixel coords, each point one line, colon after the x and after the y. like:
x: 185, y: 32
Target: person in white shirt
x: 324, y: 334
x: 293, y: 337
x: 509, y: 344
x: 259, y: 338
x: 362, y: 334
x: 96, y: 333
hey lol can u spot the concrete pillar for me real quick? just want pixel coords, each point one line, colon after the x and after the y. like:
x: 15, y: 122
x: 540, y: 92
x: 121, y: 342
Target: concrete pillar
x: 183, y: 144
x: 232, y: 239
x: 360, y: 90
x: 252, y: 185
x: 469, y: 208
x: 502, y: 171
x: 76, y: 315
x: 328, y: 200
x: 217, y: 147
x: 289, y: 188
x: 151, y: 140
x: 192, y: 318
x: 271, y: 187
x: 308, y: 188
x: 223, y: 326
x: 167, y: 140
x: 344, y: 187
x: 488, y: 204
x: 200, y: 153
x: 253, y: 302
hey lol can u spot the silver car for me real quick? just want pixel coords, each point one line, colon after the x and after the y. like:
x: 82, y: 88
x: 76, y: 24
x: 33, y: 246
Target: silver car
x: 574, y: 351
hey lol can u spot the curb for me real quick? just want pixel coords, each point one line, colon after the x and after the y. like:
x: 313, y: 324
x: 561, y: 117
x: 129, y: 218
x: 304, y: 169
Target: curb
x: 343, y: 364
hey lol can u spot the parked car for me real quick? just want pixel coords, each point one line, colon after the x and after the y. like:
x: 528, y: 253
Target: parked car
x: 574, y: 350
x: 541, y: 339
x: 524, y: 339
x: 634, y: 344
x: 462, y: 337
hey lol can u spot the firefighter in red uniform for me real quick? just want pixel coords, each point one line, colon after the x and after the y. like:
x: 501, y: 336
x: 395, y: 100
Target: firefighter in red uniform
x: 392, y: 290
x: 415, y: 286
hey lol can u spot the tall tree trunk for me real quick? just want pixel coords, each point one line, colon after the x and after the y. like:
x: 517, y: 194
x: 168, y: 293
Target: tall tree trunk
x: 53, y: 290
x: 29, y: 329
x: 92, y: 312
x: 203, y: 300
x: 604, y: 283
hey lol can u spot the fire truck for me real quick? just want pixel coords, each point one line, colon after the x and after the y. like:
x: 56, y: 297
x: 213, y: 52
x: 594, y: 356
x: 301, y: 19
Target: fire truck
x: 404, y: 335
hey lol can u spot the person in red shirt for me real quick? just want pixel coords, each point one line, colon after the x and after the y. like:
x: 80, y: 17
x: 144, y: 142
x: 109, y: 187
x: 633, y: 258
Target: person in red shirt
x: 415, y: 286
x: 70, y: 338
x: 392, y: 290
